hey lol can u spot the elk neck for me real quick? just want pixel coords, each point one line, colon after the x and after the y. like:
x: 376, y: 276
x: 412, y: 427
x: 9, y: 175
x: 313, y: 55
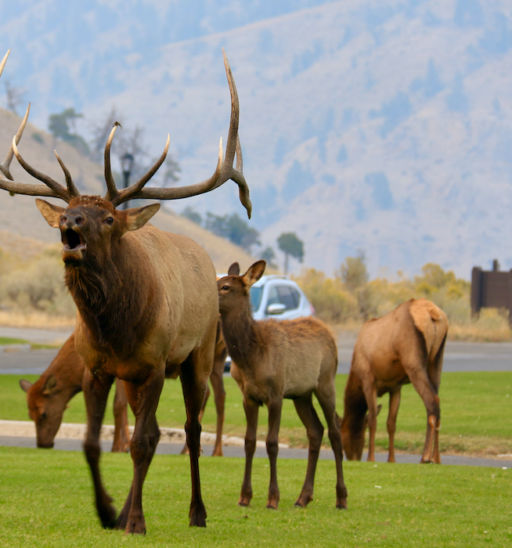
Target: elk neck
x: 355, y: 404
x: 241, y: 334
x: 116, y: 299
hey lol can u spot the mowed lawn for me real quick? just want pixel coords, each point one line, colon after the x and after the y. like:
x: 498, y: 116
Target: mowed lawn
x: 46, y: 500
x: 475, y: 413
x: 46, y: 496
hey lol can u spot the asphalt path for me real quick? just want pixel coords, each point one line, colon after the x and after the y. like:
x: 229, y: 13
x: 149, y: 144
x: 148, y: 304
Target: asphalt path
x: 459, y: 356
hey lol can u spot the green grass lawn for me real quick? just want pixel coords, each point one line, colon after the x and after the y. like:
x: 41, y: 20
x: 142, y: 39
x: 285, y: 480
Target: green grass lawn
x: 475, y: 413
x: 46, y: 499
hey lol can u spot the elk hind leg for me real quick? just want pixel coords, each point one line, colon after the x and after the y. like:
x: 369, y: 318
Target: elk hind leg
x: 315, y: 432
x: 194, y: 386
x: 96, y: 389
x: 327, y: 398
x: 428, y: 393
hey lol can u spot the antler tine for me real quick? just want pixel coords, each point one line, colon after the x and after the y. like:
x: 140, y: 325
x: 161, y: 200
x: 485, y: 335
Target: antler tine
x: 72, y: 190
x: 55, y: 188
x: 5, y: 166
x: 112, y: 192
x: 127, y: 193
x: 4, y: 60
x: 224, y: 169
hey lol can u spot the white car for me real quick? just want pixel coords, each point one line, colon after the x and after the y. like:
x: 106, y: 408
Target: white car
x: 280, y: 298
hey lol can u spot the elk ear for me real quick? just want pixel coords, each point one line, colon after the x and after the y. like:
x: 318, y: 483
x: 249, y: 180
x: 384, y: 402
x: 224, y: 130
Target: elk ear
x: 50, y: 385
x: 25, y: 385
x: 255, y: 272
x: 234, y: 270
x: 50, y: 212
x: 137, y: 217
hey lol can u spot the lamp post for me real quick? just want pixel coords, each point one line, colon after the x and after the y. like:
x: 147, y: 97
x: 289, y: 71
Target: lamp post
x: 126, y: 168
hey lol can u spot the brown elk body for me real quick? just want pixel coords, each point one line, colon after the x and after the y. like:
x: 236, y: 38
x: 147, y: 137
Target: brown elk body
x: 147, y: 308
x: 406, y: 345
x: 48, y: 398
x: 273, y: 360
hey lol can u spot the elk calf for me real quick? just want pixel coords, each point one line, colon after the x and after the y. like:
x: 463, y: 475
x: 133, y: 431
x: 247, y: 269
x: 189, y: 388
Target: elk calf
x: 406, y: 345
x: 274, y: 360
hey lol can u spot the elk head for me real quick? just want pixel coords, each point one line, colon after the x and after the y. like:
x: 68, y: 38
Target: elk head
x: 91, y: 225
x: 234, y: 289
x: 44, y: 408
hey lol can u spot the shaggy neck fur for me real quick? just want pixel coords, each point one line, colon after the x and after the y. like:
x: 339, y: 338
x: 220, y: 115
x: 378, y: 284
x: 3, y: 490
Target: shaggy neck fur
x: 115, y: 300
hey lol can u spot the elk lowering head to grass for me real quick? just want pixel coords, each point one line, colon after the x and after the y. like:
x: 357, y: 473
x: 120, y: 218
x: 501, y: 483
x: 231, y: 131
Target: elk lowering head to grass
x: 274, y: 360
x: 48, y: 398
x: 147, y: 308
x: 406, y: 345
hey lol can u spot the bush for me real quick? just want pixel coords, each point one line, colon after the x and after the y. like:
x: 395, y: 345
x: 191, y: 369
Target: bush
x: 37, y: 286
x: 332, y: 302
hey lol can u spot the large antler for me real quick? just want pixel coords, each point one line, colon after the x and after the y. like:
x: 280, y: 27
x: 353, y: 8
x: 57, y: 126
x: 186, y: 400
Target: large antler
x: 223, y: 172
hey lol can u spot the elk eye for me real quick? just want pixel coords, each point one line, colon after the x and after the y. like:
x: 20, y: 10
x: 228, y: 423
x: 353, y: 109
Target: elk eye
x: 225, y: 287
x: 109, y: 220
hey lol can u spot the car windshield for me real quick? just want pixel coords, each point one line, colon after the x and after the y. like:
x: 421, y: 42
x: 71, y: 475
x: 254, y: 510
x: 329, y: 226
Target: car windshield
x: 256, y: 293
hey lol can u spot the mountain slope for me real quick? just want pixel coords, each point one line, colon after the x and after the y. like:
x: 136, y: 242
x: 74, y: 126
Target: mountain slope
x: 381, y: 126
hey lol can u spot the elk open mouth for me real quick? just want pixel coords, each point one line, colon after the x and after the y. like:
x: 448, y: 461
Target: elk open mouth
x: 73, y: 246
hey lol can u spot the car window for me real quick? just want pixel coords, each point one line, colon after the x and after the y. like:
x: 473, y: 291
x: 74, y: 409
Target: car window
x: 256, y: 293
x: 288, y: 296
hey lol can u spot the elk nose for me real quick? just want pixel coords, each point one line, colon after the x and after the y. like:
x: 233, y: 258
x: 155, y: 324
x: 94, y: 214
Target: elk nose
x: 71, y: 220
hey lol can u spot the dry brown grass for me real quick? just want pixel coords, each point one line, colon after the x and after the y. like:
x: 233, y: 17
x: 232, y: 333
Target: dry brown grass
x: 35, y: 319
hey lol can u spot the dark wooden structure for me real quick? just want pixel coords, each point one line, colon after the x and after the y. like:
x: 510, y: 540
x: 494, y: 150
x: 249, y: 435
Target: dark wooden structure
x: 491, y: 289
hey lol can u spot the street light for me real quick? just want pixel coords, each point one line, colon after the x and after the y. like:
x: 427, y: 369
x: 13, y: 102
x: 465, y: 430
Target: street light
x: 126, y: 168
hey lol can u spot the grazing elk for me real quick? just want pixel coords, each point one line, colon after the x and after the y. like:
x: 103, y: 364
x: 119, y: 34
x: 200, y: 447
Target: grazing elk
x: 406, y: 345
x: 147, y: 308
x: 274, y: 360
x: 48, y: 397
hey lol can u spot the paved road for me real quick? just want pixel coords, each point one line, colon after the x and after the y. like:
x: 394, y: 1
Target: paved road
x: 459, y: 356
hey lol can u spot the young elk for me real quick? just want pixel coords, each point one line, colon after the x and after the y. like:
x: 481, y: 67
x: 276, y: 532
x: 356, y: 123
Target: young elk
x: 406, y: 345
x: 273, y: 360
x: 147, y: 308
x: 48, y: 398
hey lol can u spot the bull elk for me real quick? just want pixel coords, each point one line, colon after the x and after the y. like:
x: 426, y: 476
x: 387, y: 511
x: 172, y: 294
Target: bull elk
x: 406, y: 345
x: 274, y: 360
x: 147, y: 308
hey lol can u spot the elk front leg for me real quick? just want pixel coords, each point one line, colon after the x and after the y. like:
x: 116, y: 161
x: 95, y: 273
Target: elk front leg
x: 394, y: 404
x: 96, y: 389
x: 219, y: 394
x: 371, y: 399
x: 251, y: 416
x: 274, y: 422
x: 143, y: 400
x: 315, y: 432
x: 121, y: 441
